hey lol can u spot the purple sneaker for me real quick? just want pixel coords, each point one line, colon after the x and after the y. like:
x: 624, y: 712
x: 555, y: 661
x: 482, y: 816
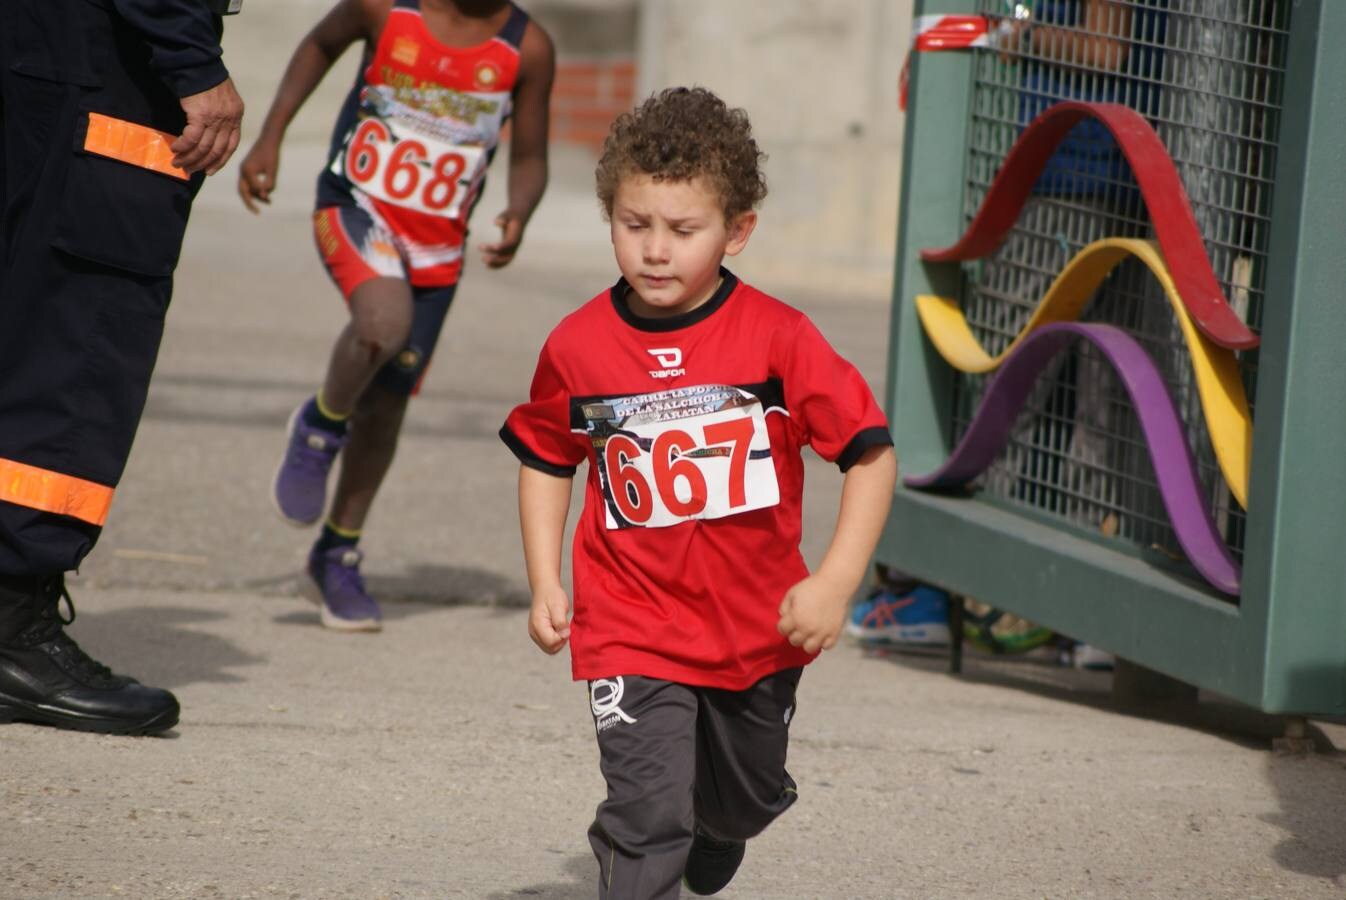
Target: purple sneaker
x: 300, y: 488
x: 334, y: 583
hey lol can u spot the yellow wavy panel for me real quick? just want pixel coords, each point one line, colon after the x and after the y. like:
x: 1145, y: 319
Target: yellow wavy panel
x: 1217, y: 375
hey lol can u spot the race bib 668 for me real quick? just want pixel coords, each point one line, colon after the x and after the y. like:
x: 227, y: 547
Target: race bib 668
x: 408, y: 169
x: 699, y: 452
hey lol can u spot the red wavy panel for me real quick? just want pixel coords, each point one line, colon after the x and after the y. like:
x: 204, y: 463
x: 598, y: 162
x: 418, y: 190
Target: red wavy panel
x: 1170, y: 211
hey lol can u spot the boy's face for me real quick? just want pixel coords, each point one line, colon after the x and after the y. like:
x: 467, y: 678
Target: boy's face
x: 669, y: 238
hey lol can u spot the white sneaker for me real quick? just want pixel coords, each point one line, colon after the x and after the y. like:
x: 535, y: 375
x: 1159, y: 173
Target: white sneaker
x: 1087, y: 656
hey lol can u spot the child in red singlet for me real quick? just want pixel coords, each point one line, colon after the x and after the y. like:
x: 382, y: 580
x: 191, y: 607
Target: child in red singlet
x: 690, y: 395
x: 408, y: 161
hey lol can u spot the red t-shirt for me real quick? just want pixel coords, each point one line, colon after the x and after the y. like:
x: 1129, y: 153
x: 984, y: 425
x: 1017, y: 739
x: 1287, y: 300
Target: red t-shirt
x: 692, y: 427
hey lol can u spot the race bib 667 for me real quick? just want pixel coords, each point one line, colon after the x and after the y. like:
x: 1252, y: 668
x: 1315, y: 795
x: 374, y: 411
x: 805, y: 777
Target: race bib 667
x: 699, y: 452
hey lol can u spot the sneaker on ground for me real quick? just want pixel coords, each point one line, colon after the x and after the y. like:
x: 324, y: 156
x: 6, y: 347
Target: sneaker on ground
x: 335, y: 584
x: 711, y: 864
x: 919, y: 617
x: 300, y: 487
x: 45, y: 678
x: 1087, y: 656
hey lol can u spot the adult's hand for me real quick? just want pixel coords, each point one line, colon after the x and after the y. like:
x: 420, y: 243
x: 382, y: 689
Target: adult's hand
x: 212, y: 132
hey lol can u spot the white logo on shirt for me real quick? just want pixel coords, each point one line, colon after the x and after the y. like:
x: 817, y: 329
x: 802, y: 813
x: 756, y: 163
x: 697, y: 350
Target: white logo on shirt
x: 604, y: 696
x: 668, y: 357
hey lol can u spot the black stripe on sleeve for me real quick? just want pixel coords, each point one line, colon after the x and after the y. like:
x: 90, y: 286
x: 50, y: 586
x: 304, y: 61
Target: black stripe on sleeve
x: 530, y: 459
x: 863, y: 440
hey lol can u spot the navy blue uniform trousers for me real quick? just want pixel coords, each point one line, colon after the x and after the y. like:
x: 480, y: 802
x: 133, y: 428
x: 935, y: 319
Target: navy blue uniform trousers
x: 88, y: 245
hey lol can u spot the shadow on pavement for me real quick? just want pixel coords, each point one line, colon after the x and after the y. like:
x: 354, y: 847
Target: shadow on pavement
x: 583, y: 872
x: 423, y: 586
x: 479, y: 424
x: 232, y: 381
x: 1213, y: 715
x: 449, y: 586
x: 156, y: 645
x: 220, y: 382
x: 1311, y: 790
x: 1312, y: 794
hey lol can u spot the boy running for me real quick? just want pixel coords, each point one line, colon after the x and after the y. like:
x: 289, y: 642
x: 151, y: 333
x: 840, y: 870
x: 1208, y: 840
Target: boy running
x: 690, y: 394
x: 409, y: 155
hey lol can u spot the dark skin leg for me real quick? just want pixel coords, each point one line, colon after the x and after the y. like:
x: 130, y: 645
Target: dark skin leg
x: 378, y: 329
x: 381, y: 311
x: 367, y: 457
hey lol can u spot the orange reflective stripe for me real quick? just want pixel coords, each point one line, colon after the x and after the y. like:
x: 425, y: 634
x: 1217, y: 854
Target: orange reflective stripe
x: 65, y: 495
x: 138, y: 145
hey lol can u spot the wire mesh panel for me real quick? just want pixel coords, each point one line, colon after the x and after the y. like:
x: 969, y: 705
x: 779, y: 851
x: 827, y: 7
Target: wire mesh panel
x: 1208, y: 75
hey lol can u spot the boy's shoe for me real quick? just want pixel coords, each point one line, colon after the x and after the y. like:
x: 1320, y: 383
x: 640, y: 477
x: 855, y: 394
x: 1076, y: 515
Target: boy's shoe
x: 334, y: 582
x: 300, y: 487
x: 919, y: 617
x: 711, y: 864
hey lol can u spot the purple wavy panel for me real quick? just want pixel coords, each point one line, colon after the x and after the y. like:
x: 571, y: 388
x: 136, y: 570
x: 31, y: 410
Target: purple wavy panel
x: 1174, y: 468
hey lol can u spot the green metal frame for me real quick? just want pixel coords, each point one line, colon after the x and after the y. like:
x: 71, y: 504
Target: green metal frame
x: 1282, y: 648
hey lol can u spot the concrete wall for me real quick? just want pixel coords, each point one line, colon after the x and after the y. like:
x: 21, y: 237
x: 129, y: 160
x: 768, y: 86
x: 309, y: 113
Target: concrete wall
x: 595, y: 65
x: 820, y: 83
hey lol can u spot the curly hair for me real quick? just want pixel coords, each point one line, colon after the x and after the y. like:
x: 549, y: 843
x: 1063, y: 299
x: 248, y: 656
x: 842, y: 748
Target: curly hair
x: 680, y: 134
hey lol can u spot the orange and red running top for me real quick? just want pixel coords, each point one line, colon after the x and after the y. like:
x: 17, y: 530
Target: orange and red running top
x: 415, y: 135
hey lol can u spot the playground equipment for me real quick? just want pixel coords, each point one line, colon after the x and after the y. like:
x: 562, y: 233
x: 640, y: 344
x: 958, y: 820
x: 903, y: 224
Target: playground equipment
x: 1190, y: 271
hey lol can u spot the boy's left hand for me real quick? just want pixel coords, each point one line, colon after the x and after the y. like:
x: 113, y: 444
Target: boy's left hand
x: 501, y: 253
x: 813, y: 612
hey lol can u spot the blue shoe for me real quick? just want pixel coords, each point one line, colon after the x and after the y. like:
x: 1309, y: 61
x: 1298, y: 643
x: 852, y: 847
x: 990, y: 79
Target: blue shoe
x: 917, y: 618
x: 334, y: 583
x: 300, y: 488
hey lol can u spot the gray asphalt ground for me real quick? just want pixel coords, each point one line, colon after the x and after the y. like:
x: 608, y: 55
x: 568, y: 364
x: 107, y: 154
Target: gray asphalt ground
x: 446, y: 757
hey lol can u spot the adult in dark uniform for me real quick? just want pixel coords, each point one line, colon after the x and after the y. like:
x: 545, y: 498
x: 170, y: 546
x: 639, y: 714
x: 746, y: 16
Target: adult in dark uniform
x: 113, y: 112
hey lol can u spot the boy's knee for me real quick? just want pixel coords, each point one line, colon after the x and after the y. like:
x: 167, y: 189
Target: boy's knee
x: 744, y: 816
x: 380, y: 331
x: 379, y: 341
x: 735, y: 827
x: 652, y: 817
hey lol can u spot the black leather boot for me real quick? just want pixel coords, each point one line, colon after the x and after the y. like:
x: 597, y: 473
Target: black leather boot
x: 46, y: 678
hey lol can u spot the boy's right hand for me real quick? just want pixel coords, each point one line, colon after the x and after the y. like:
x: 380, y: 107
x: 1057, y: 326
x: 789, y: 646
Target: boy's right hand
x: 257, y: 174
x: 549, y: 619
